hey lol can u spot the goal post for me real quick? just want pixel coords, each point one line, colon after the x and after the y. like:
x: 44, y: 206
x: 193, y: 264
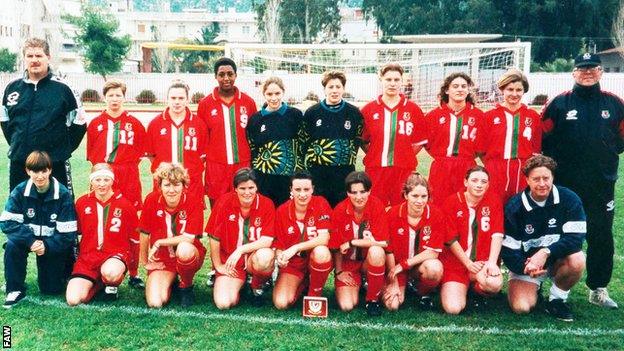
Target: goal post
x: 426, y: 65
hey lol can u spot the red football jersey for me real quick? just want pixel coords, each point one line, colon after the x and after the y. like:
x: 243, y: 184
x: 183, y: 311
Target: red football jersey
x: 232, y: 230
x: 226, y: 125
x: 106, y: 227
x: 115, y: 140
x: 160, y: 223
x: 345, y: 227
x: 290, y: 231
x: 473, y: 227
x: 184, y: 144
x: 407, y: 241
x: 450, y: 134
x: 510, y: 135
x: 392, y: 133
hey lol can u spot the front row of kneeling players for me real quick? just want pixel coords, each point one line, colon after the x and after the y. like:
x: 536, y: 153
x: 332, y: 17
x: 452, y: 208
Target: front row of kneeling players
x: 454, y: 247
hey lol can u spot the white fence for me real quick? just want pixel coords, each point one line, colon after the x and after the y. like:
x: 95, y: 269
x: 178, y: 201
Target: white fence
x: 363, y: 87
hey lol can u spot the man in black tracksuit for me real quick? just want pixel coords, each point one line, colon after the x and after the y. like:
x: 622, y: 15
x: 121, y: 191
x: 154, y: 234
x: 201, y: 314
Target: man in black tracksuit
x: 583, y: 132
x: 40, y: 112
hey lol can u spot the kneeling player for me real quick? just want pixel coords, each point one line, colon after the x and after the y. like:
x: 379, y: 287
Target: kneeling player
x: 302, y: 235
x: 361, y: 234
x: 474, y: 244
x: 417, y: 231
x: 119, y: 139
x: 172, y: 225
x: 241, y: 229
x: 545, y: 227
x: 106, y: 221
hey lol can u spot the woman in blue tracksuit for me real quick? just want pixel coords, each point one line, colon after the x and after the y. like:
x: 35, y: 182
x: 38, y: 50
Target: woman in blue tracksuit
x: 38, y: 217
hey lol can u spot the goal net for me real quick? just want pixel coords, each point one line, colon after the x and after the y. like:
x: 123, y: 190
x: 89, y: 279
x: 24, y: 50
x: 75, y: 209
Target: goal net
x: 301, y: 67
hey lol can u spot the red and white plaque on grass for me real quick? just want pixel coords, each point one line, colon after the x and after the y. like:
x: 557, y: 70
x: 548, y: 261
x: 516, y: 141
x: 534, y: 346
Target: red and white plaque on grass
x: 315, y: 307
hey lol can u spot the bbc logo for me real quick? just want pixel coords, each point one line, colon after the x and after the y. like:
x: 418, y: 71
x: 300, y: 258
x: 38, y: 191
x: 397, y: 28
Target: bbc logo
x: 6, y: 337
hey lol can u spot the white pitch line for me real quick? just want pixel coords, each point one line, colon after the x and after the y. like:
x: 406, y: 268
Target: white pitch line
x: 452, y: 328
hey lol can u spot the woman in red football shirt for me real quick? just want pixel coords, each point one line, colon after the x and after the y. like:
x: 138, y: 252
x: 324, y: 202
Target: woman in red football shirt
x: 417, y: 231
x: 241, y: 230
x: 301, y: 239
x: 360, y: 234
x: 451, y: 134
x: 473, y: 244
x: 393, y: 134
x: 107, y: 221
x: 510, y: 134
x: 171, y: 224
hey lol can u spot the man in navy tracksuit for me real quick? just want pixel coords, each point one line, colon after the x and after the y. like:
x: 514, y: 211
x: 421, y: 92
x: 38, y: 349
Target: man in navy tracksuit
x: 40, y: 112
x: 584, y: 133
x: 38, y: 217
x: 544, y: 231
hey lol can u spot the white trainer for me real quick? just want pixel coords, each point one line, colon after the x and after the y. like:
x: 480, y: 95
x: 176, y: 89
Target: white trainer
x: 600, y: 297
x: 13, y: 298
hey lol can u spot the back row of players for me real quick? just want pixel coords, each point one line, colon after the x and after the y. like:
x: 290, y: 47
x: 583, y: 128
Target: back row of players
x: 228, y: 135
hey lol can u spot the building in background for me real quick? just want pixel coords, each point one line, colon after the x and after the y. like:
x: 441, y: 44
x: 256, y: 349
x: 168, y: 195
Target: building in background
x: 612, y: 60
x: 21, y: 19
x: 167, y: 26
x: 355, y: 28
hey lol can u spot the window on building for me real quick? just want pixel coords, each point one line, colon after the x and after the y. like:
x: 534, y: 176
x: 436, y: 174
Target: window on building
x: 245, y: 29
x: 25, y: 30
x: 141, y: 28
x: 69, y: 47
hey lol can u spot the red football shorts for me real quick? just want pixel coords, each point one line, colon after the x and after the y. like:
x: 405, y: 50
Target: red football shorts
x: 170, y: 263
x: 506, y: 178
x: 454, y: 271
x: 218, y: 178
x: 388, y: 183
x: 88, y: 266
x: 240, y: 269
x: 355, y: 267
x: 446, y: 177
x: 297, y: 266
x: 128, y: 182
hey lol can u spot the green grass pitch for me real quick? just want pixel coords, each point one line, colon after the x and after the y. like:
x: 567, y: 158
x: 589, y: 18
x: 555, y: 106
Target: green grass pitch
x: 42, y: 323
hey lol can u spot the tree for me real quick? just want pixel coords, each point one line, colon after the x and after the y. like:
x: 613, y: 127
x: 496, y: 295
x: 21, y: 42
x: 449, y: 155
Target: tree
x: 618, y: 28
x: 557, y: 28
x: 103, y: 51
x: 300, y: 21
x: 199, y: 61
x: 271, y: 21
x: 433, y: 16
x: 162, y: 60
x: 8, y: 60
x: 558, y: 65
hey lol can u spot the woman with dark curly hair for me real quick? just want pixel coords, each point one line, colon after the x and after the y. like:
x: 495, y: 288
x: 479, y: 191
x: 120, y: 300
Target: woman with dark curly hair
x: 451, y: 133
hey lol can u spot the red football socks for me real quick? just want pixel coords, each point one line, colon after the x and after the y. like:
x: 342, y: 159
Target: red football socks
x: 258, y: 278
x: 426, y: 286
x: 318, y: 276
x: 133, y: 260
x: 375, y: 277
x: 187, y: 271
